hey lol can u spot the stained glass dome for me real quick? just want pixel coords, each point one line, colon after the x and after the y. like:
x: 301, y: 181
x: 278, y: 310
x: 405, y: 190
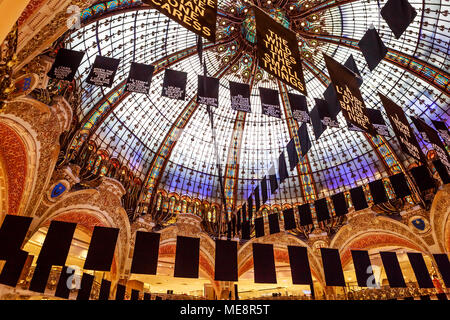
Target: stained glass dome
x: 167, y: 144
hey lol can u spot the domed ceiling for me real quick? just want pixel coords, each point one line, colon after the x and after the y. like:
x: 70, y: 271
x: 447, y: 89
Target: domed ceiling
x: 168, y: 143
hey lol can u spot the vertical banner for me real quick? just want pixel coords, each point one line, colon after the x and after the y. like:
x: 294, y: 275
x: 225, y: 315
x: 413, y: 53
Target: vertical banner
x: 257, y: 199
x: 282, y: 168
x: 376, y: 118
x: 259, y: 227
x: 197, y: 16
x: 270, y: 102
x: 305, y: 142
x: 174, y: 84
x: 101, y: 249
x: 420, y: 270
x: 292, y: 154
x: 393, y: 270
x: 187, y: 257
x: 66, y: 64
x: 378, y: 191
x: 332, y: 267
x: 145, y: 256
x: 299, y: 262
x: 264, y: 190
x: 226, y: 265
x: 443, y: 265
x: 318, y: 126
x: 402, y: 129
x: 322, y: 212
x: 372, y: 48
x: 208, y: 91
x: 325, y: 116
x: 273, y: 180
x: 103, y: 71
x: 139, y: 78
x: 274, y: 226
x: 278, y: 52
x: 299, y: 107
x: 349, y: 96
x: 363, y: 268
x: 339, y: 204
x: 435, y: 141
x: 400, y: 185
x: 304, y: 212
x: 442, y: 128
x: 289, y: 219
x: 240, y: 96
x: 358, y: 198
x: 264, y: 263
x: 87, y: 281
x: 398, y: 14
x: 105, y: 288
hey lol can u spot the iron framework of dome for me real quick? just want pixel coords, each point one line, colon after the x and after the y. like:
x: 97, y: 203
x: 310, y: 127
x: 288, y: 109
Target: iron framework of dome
x: 164, y: 147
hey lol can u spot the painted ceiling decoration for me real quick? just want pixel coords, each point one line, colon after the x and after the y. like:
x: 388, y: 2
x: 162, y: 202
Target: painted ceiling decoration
x: 166, y: 145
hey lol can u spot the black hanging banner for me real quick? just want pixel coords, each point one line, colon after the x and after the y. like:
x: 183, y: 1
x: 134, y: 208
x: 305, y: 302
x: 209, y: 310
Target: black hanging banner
x: 398, y: 14
x: 270, y: 102
x: 105, y: 288
x: 120, y: 292
x: 292, y: 154
x: 257, y: 199
x: 363, y: 268
x: 378, y: 191
x: 278, y: 52
x: 435, y: 141
x: 442, y: 170
x: 304, y: 212
x: 402, y: 129
x: 12, y: 234
x: 174, y: 84
x: 400, y: 185
x: 197, y: 16
x: 245, y: 230
x: 208, y: 91
x: 305, y: 142
x: 134, y: 294
x: 103, y: 71
x: 264, y: 190
x: 376, y: 118
x: 393, y: 270
x: 423, y: 178
x: 62, y: 289
x: 226, y: 264
x: 187, y: 257
x: 372, y: 48
x: 238, y: 220
x: 240, y: 96
x: 140, y: 77
x: 274, y: 226
x: 273, y: 180
x: 442, y: 128
x: 289, y: 219
x: 299, y: 107
x: 264, y: 263
x: 443, y: 265
x: 299, y: 262
x: 259, y: 227
x: 418, y: 125
x: 325, y: 115
x: 250, y: 207
x: 87, y: 281
x: 322, y: 209
x: 339, y: 204
x: 420, y: 270
x: 101, y: 249
x: 358, y: 198
x: 145, y: 256
x: 332, y: 267
x: 348, y: 94
x: 318, y: 126
x: 66, y: 64
x: 351, y: 65
x: 282, y: 168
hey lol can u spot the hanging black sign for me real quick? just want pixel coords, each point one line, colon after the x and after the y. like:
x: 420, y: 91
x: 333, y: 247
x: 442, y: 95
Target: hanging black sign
x: 174, y: 84
x: 376, y: 118
x: 140, y: 77
x: 240, y: 96
x: 441, y: 127
x: 208, y: 91
x: 103, y: 71
x: 299, y: 107
x: 324, y: 113
x: 278, y: 52
x: 348, y: 94
x: 270, y: 102
x: 198, y: 16
x: 420, y: 129
x: 66, y: 64
x: 305, y: 142
x: 435, y: 141
x: 403, y: 131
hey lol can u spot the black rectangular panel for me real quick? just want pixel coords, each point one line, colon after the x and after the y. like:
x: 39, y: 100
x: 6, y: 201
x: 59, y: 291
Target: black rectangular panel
x: 398, y: 14
x: 66, y: 64
x: 147, y: 296
x: 425, y: 297
x: 270, y: 102
x: 13, y: 268
x: 304, y: 212
x: 400, y: 185
x: 423, y: 178
x: 187, y: 257
x: 240, y: 96
x: 40, y: 278
x: 420, y: 270
x: 305, y: 141
x: 120, y: 292
x: 378, y: 192
x: 363, y: 268
x: 226, y: 261
x: 289, y: 219
x: 443, y: 266
x: 264, y: 190
x: 292, y: 154
x: 339, y: 204
x: 12, y: 233
x: 250, y: 207
x: 56, y: 245
x: 134, y: 294
x: 264, y: 263
x: 298, y: 260
x: 85, y: 287
x: 257, y: 199
x: 372, y: 48
x: 101, y: 249
x: 441, y: 296
x: 332, y: 268
x: 103, y: 71
x: 318, y: 126
x: 259, y: 227
x: 246, y: 230
x: 139, y: 78
x: 282, y: 168
x: 62, y: 288
x: 274, y: 226
x: 145, y: 257
x: 174, y: 84
x: 322, y: 209
x: 358, y: 198
x: 393, y: 270
x: 104, y: 290
x: 208, y: 91
x: 442, y: 171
